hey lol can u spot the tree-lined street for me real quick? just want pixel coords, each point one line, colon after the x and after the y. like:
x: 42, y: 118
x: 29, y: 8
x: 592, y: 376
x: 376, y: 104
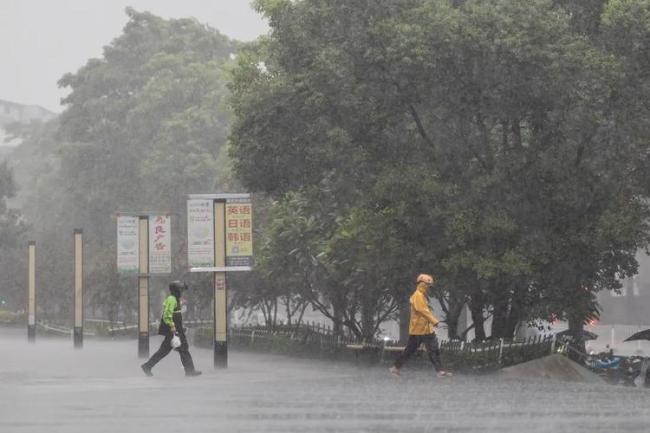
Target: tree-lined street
x: 501, y: 146
x: 51, y: 387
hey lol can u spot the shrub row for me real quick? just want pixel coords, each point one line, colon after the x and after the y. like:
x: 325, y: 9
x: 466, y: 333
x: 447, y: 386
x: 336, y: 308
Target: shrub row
x: 472, y: 357
x: 9, y: 318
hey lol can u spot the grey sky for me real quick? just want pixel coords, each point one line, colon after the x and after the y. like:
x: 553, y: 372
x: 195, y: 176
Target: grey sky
x: 40, y: 40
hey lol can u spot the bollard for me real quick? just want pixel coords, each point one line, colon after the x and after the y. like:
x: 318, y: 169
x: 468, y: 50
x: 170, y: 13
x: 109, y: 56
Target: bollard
x: 77, y: 339
x: 31, y: 293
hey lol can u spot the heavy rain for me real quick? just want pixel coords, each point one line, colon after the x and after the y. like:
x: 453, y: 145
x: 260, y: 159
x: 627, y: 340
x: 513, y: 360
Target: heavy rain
x: 324, y: 216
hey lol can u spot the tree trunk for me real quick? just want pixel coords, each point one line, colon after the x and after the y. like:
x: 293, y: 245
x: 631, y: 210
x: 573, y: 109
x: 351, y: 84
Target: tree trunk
x: 476, y: 309
x: 404, y: 313
x: 275, y: 313
x: 287, y: 306
x: 511, y: 323
x: 302, y: 313
x: 577, y: 346
x: 453, y: 313
x: 368, y: 320
x: 337, y: 325
x: 267, y: 318
x: 500, y: 320
x: 517, y: 311
x: 452, y: 330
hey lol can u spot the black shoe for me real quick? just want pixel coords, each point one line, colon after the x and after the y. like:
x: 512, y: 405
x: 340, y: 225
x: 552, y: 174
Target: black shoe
x: 193, y: 373
x: 146, y: 369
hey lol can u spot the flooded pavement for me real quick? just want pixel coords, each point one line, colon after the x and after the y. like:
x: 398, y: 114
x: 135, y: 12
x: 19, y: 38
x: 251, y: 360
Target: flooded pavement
x: 49, y: 387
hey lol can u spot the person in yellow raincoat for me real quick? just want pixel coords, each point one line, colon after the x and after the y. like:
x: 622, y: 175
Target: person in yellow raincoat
x: 421, y: 328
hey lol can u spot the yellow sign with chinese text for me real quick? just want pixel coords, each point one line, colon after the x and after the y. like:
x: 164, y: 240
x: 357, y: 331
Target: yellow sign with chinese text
x: 239, y: 232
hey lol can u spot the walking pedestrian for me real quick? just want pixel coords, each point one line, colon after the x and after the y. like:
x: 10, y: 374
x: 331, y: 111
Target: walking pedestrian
x: 421, y: 328
x: 171, y: 325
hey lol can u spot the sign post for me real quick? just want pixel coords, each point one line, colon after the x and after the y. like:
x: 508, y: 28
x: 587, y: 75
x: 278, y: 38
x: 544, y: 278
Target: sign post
x: 31, y: 293
x: 220, y: 240
x: 143, y: 287
x: 78, y: 289
x: 220, y: 291
x: 143, y: 250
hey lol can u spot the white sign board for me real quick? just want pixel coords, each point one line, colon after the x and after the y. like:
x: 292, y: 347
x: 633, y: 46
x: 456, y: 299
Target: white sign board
x: 160, y: 249
x: 127, y: 244
x: 200, y: 233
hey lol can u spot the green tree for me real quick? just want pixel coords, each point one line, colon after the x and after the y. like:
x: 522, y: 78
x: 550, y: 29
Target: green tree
x: 12, y: 244
x: 144, y: 125
x: 504, y: 108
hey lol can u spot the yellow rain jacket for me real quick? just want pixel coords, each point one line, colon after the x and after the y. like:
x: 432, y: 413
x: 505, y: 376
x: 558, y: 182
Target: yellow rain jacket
x: 422, y: 320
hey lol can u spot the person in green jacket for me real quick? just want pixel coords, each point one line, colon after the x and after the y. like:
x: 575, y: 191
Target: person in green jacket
x: 171, y: 324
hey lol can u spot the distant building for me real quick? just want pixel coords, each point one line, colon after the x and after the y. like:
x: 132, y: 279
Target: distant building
x: 11, y: 112
x: 632, y: 305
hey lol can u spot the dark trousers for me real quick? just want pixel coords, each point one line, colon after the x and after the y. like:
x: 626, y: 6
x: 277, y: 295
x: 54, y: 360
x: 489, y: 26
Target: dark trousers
x: 430, y: 342
x: 166, y: 347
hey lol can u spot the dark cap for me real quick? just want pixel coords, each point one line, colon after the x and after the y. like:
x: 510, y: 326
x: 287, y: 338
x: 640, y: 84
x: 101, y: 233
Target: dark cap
x: 177, y: 287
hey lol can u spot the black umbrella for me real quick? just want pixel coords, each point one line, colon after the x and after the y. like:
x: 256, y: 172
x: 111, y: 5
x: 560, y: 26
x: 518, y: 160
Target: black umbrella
x: 586, y: 335
x: 641, y: 335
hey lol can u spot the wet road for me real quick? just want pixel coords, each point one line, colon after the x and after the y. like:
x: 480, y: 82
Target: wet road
x: 49, y: 387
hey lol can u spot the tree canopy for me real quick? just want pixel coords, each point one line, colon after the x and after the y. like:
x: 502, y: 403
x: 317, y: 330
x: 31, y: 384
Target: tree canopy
x: 144, y: 125
x: 500, y: 145
x: 488, y: 142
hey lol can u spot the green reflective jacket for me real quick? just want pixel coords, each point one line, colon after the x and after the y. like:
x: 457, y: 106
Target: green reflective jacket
x: 168, y: 310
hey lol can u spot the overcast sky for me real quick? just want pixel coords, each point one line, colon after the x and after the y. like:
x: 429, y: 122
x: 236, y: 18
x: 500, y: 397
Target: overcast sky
x: 40, y: 40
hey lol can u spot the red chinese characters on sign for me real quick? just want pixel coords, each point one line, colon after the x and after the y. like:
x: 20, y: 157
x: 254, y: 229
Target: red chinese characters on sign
x: 159, y: 244
x: 159, y: 233
x: 239, y: 233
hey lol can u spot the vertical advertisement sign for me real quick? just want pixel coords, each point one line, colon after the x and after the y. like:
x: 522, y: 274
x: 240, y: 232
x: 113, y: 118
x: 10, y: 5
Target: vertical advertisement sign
x: 160, y: 250
x: 239, y: 232
x: 200, y: 233
x: 127, y: 244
